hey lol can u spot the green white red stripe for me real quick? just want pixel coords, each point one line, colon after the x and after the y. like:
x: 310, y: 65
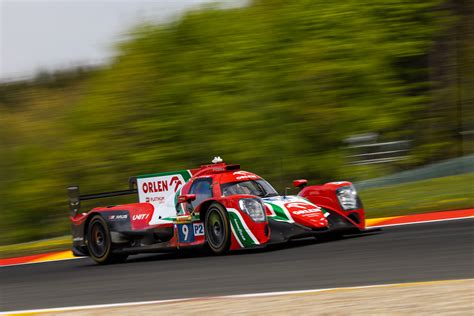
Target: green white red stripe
x: 241, y: 231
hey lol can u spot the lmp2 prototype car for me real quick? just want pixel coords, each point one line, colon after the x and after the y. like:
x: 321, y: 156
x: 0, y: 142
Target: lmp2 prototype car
x: 217, y: 206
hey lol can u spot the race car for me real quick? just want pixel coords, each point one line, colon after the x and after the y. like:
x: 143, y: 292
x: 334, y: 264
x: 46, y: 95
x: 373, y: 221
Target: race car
x: 217, y: 206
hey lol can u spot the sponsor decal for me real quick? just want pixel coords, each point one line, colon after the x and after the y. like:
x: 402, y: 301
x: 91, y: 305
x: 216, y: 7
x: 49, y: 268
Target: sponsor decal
x: 284, y: 207
x: 139, y: 217
x: 244, y: 175
x: 303, y: 209
x: 310, y: 211
x: 154, y: 186
x: 156, y: 199
x: 157, y: 186
x: 118, y: 217
x: 301, y: 205
x: 161, y: 190
x: 176, y: 183
x: 239, y: 230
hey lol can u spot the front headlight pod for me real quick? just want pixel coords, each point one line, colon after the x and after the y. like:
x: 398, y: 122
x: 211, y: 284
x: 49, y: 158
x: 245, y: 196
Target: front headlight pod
x: 253, y: 208
x: 347, y: 197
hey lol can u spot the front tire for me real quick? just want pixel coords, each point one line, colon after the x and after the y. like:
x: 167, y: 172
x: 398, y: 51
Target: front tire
x: 217, y: 229
x: 99, y: 242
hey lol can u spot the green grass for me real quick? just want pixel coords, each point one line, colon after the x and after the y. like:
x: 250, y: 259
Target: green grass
x: 440, y: 194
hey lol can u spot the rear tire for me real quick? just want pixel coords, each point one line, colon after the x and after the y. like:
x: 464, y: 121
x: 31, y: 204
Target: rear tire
x: 99, y: 242
x: 217, y: 229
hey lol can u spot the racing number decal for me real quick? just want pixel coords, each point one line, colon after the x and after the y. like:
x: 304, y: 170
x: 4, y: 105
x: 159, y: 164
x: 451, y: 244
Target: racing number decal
x: 186, y: 233
x: 198, y: 229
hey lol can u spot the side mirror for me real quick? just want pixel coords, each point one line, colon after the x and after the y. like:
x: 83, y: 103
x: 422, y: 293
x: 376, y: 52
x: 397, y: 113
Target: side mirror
x: 300, y: 183
x: 186, y: 198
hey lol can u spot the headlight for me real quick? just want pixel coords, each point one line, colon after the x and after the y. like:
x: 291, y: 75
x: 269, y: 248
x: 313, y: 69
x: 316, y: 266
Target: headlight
x: 253, y: 208
x: 348, y: 199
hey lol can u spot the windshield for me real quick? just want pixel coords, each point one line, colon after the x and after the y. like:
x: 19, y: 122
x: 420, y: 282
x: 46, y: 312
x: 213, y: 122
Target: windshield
x: 259, y: 188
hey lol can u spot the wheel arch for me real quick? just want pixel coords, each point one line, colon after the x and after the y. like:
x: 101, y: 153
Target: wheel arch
x: 109, y: 256
x: 90, y: 216
x: 205, y: 206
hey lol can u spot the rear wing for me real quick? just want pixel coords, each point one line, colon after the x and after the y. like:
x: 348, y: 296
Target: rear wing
x: 75, y: 197
x: 159, y: 189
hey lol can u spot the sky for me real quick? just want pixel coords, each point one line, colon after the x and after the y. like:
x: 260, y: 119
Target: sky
x: 43, y: 35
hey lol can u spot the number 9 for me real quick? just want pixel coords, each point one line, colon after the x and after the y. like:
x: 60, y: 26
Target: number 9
x: 185, y: 231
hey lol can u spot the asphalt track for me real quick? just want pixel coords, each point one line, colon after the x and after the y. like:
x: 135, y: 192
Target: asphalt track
x: 418, y: 252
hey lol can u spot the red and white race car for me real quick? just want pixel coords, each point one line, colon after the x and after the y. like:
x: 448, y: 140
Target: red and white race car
x: 218, y: 206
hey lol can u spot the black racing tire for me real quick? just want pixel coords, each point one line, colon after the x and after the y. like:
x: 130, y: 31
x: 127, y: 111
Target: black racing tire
x: 99, y: 243
x: 217, y: 229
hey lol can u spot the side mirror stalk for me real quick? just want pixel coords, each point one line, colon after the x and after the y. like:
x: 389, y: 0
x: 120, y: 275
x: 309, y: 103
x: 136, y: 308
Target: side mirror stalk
x: 186, y: 198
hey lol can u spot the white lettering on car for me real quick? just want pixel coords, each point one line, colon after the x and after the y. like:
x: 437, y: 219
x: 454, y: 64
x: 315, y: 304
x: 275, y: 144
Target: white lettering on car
x: 198, y: 229
x: 314, y: 210
x: 139, y: 217
x: 301, y: 205
x: 118, y: 217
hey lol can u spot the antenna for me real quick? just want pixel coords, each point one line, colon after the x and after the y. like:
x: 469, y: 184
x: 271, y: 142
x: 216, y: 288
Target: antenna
x: 286, y: 191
